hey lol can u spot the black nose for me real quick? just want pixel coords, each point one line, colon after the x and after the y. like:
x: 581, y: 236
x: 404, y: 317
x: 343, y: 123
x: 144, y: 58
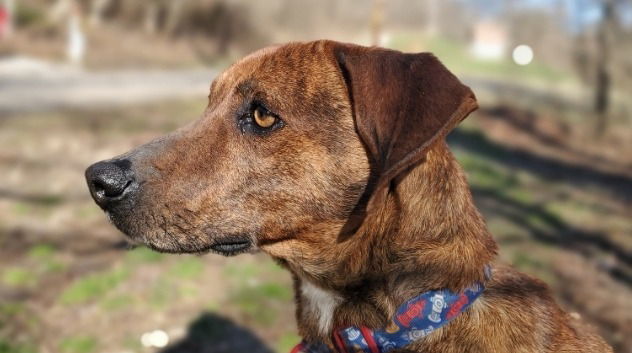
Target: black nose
x: 109, y: 181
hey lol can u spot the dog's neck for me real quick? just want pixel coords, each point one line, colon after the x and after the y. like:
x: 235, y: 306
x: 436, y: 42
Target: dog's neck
x: 427, y: 235
x: 440, y: 237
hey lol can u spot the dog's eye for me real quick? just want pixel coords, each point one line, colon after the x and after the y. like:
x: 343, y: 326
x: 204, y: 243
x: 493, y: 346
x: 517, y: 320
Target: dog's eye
x: 259, y: 120
x: 264, y: 119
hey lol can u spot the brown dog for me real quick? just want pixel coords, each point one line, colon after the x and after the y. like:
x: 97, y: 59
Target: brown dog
x: 331, y: 158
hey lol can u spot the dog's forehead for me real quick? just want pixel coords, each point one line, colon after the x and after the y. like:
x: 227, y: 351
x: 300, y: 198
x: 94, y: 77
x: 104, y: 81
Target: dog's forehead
x: 248, y: 64
x: 296, y: 64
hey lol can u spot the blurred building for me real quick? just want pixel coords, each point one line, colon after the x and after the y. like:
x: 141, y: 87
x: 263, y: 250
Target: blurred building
x: 489, y: 40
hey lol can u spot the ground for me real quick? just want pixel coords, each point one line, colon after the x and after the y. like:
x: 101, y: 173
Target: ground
x: 557, y: 202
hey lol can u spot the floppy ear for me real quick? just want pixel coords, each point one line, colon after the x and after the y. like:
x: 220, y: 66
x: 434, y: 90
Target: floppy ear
x: 402, y: 104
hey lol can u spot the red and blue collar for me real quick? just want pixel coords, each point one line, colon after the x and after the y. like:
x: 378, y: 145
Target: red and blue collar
x: 415, y: 319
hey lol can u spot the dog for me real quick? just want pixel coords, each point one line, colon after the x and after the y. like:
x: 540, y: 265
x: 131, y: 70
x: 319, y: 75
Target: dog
x: 332, y: 159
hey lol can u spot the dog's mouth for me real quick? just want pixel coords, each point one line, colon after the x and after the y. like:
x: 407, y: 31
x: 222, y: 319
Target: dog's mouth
x: 232, y: 245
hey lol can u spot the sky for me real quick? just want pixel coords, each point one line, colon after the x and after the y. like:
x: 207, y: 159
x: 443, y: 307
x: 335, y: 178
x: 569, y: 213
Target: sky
x: 581, y: 13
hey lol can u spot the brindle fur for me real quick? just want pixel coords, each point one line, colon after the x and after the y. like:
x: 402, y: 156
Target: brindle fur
x: 357, y: 194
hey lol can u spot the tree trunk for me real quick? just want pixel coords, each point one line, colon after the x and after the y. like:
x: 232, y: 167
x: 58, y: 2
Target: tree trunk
x: 377, y: 21
x: 432, y: 18
x: 97, y: 7
x: 151, y: 18
x: 602, y: 78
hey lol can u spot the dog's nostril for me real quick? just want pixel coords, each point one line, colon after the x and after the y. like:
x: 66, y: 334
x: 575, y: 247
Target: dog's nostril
x: 98, y: 185
x: 108, y: 181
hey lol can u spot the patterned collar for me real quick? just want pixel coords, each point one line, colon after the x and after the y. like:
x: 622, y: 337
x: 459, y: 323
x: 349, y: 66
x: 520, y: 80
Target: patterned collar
x: 415, y: 319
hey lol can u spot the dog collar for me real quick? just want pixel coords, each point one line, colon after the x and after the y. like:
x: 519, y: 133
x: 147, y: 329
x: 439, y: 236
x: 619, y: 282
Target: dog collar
x: 415, y: 319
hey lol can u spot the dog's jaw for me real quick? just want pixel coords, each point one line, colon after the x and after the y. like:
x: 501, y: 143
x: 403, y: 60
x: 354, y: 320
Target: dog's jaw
x: 321, y: 303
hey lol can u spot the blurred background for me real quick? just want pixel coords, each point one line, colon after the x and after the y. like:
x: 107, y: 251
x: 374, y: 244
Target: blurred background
x: 548, y: 156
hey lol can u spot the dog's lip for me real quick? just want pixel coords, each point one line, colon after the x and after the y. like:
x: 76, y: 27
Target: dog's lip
x: 231, y: 246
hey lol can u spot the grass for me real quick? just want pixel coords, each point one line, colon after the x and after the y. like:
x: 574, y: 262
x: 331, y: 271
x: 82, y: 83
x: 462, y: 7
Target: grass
x: 525, y: 196
x: 287, y: 341
x: 19, y: 277
x: 21, y: 208
x: 93, y: 286
x: 259, y: 301
x: 142, y: 254
x: 244, y: 271
x: 8, y: 347
x: 258, y: 290
x: 78, y: 344
x: 163, y: 293
x: 188, y: 267
x: 118, y: 302
x: 44, y: 257
x: 452, y: 52
x: 170, y: 286
x: 9, y: 309
x: 41, y: 252
x: 132, y: 343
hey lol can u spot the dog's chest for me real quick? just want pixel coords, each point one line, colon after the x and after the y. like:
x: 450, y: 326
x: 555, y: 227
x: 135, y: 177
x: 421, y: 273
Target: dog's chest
x: 320, y: 304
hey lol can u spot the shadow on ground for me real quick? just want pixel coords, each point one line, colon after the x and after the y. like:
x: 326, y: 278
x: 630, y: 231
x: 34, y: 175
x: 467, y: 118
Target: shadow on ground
x: 210, y: 333
x: 615, y: 185
x: 543, y: 225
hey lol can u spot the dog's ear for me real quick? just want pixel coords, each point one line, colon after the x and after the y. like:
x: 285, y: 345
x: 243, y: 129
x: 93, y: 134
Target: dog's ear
x: 402, y: 104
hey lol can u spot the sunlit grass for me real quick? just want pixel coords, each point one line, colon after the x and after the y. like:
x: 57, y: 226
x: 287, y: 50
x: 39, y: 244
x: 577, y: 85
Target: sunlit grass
x: 117, y: 302
x: 19, y: 277
x: 8, y: 309
x: 142, y: 254
x: 79, y: 344
x: 287, y: 341
x: 187, y: 267
x: 93, y: 286
x: 258, y: 290
x: 44, y: 257
x: 41, y: 251
x: 162, y: 293
x: 8, y: 347
x: 260, y: 301
x: 455, y: 55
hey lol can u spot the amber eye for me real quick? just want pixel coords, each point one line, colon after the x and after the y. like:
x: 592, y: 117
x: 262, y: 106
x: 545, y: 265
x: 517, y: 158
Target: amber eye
x: 264, y: 119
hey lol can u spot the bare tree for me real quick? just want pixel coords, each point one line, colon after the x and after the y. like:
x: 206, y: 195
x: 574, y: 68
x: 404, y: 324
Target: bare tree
x: 603, y: 63
x: 601, y: 56
x: 377, y: 21
x: 432, y: 24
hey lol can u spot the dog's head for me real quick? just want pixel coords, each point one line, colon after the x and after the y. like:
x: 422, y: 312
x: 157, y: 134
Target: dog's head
x: 294, y: 141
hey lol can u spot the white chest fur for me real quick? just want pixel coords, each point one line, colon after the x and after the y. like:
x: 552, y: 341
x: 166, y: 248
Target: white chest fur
x: 320, y: 303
